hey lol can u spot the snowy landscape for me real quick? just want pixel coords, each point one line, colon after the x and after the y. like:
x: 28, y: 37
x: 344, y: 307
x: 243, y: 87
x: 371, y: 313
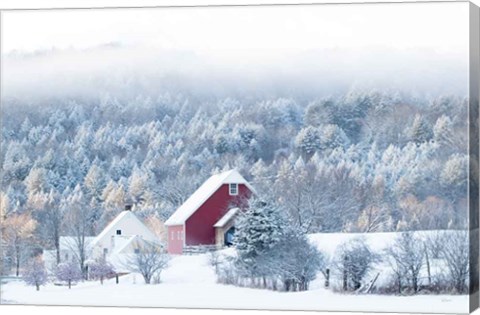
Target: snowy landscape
x: 145, y: 160
x: 193, y: 276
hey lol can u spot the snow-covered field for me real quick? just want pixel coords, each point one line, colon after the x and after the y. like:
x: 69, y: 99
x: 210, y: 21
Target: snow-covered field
x: 190, y: 282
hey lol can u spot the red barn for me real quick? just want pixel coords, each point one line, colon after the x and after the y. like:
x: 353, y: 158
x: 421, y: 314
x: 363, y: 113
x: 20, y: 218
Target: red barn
x: 206, y: 218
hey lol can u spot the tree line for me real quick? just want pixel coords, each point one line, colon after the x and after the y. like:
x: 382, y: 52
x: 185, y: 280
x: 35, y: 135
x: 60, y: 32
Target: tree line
x: 365, y: 161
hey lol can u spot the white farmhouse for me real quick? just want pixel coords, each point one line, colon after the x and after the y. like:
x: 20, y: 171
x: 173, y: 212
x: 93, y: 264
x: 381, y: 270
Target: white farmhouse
x: 125, y: 235
x: 121, y: 232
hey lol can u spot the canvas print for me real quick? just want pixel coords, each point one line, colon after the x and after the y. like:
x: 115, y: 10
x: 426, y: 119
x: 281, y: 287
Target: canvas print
x: 285, y: 157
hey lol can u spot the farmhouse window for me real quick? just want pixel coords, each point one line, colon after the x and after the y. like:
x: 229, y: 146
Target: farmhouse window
x: 173, y: 235
x: 233, y: 189
x: 119, y: 232
x: 137, y: 251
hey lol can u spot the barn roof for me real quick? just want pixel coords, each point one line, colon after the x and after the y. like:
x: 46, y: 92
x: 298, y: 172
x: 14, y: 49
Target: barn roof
x: 226, y: 218
x: 201, y: 195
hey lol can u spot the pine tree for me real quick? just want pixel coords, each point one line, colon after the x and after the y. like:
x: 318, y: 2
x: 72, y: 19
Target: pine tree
x: 420, y: 131
x: 443, y: 130
x: 258, y: 229
x: 94, y: 183
x: 308, y: 140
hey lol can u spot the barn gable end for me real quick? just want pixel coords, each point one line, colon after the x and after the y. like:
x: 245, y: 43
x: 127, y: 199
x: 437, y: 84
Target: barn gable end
x: 193, y: 222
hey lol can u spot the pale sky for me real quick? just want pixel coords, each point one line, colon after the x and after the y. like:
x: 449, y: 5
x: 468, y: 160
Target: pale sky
x: 255, y: 31
x: 421, y: 46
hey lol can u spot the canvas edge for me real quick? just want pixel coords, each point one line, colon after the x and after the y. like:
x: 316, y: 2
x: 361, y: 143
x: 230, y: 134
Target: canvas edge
x: 474, y: 67
x: 1, y: 126
x: 211, y: 3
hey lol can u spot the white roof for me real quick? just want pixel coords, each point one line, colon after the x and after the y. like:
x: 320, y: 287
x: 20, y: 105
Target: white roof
x: 122, y: 242
x: 71, y: 242
x: 226, y: 218
x: 203, y: 193
x: 127, y: 215
x: 112, y: 224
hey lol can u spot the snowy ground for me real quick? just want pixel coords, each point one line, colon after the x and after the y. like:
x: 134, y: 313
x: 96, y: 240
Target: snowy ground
x: 190, y: 282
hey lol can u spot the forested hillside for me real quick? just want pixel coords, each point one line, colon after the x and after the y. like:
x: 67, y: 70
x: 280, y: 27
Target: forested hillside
x: 363, y: 161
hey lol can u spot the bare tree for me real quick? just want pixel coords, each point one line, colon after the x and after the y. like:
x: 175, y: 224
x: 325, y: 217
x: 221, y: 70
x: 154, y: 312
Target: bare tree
x: 100, y: 270
x: 455, y: 252
x: 35, y: 273
x: 18, y: 229
x: 69, y: 273
x: 406, y: 256
x: 47, y: 210
x: 354, y: 261
x: 149, y: 260
x: 78, y: 221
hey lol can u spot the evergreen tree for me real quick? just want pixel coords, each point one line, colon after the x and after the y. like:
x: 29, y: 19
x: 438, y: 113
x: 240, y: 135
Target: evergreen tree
x: 308, y: 140
x: 258, y: 229
x: 420, y: 131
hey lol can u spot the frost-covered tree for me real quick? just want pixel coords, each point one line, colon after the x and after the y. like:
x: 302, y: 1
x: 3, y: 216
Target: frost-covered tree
x: 308, y: 140
x: 138, y: 184
x: 443, y: 130
x: 150, y: 260
x: 454, y: 174
x: 17, y: 232
x: 78, y: 220
x: 354, y: 260
x: 100, y: 270
x: 258, y: 229
x: 68, y: 273
x: 373, y: 218
x: 295, y: 260
x: 16, y: 163
x: 406, y: 258
x: 36, y: 181
x: 94, y: 182
x: 455, y: 251
x: 50, y: 213
x: 420, y: 131
x: 35, y: 273
x: 332, y: 136
x: 320, y: 112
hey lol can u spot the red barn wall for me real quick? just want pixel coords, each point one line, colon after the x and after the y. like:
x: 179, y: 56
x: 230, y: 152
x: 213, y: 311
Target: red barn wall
x: 199, y: 227
x: 175, y: 243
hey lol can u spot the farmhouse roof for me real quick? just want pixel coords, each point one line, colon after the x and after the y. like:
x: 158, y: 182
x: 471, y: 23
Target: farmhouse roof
x: 124, y: 215
x: 208, y: 188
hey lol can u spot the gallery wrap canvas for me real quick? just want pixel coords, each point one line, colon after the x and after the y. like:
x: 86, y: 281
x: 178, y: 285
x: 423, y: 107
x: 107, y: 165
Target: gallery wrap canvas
x: 319, y: 157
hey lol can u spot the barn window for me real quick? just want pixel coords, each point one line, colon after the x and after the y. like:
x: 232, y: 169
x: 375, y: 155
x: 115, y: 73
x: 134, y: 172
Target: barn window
x: 233, y: 189
x: 119, y: 232
x: 137, y: 251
